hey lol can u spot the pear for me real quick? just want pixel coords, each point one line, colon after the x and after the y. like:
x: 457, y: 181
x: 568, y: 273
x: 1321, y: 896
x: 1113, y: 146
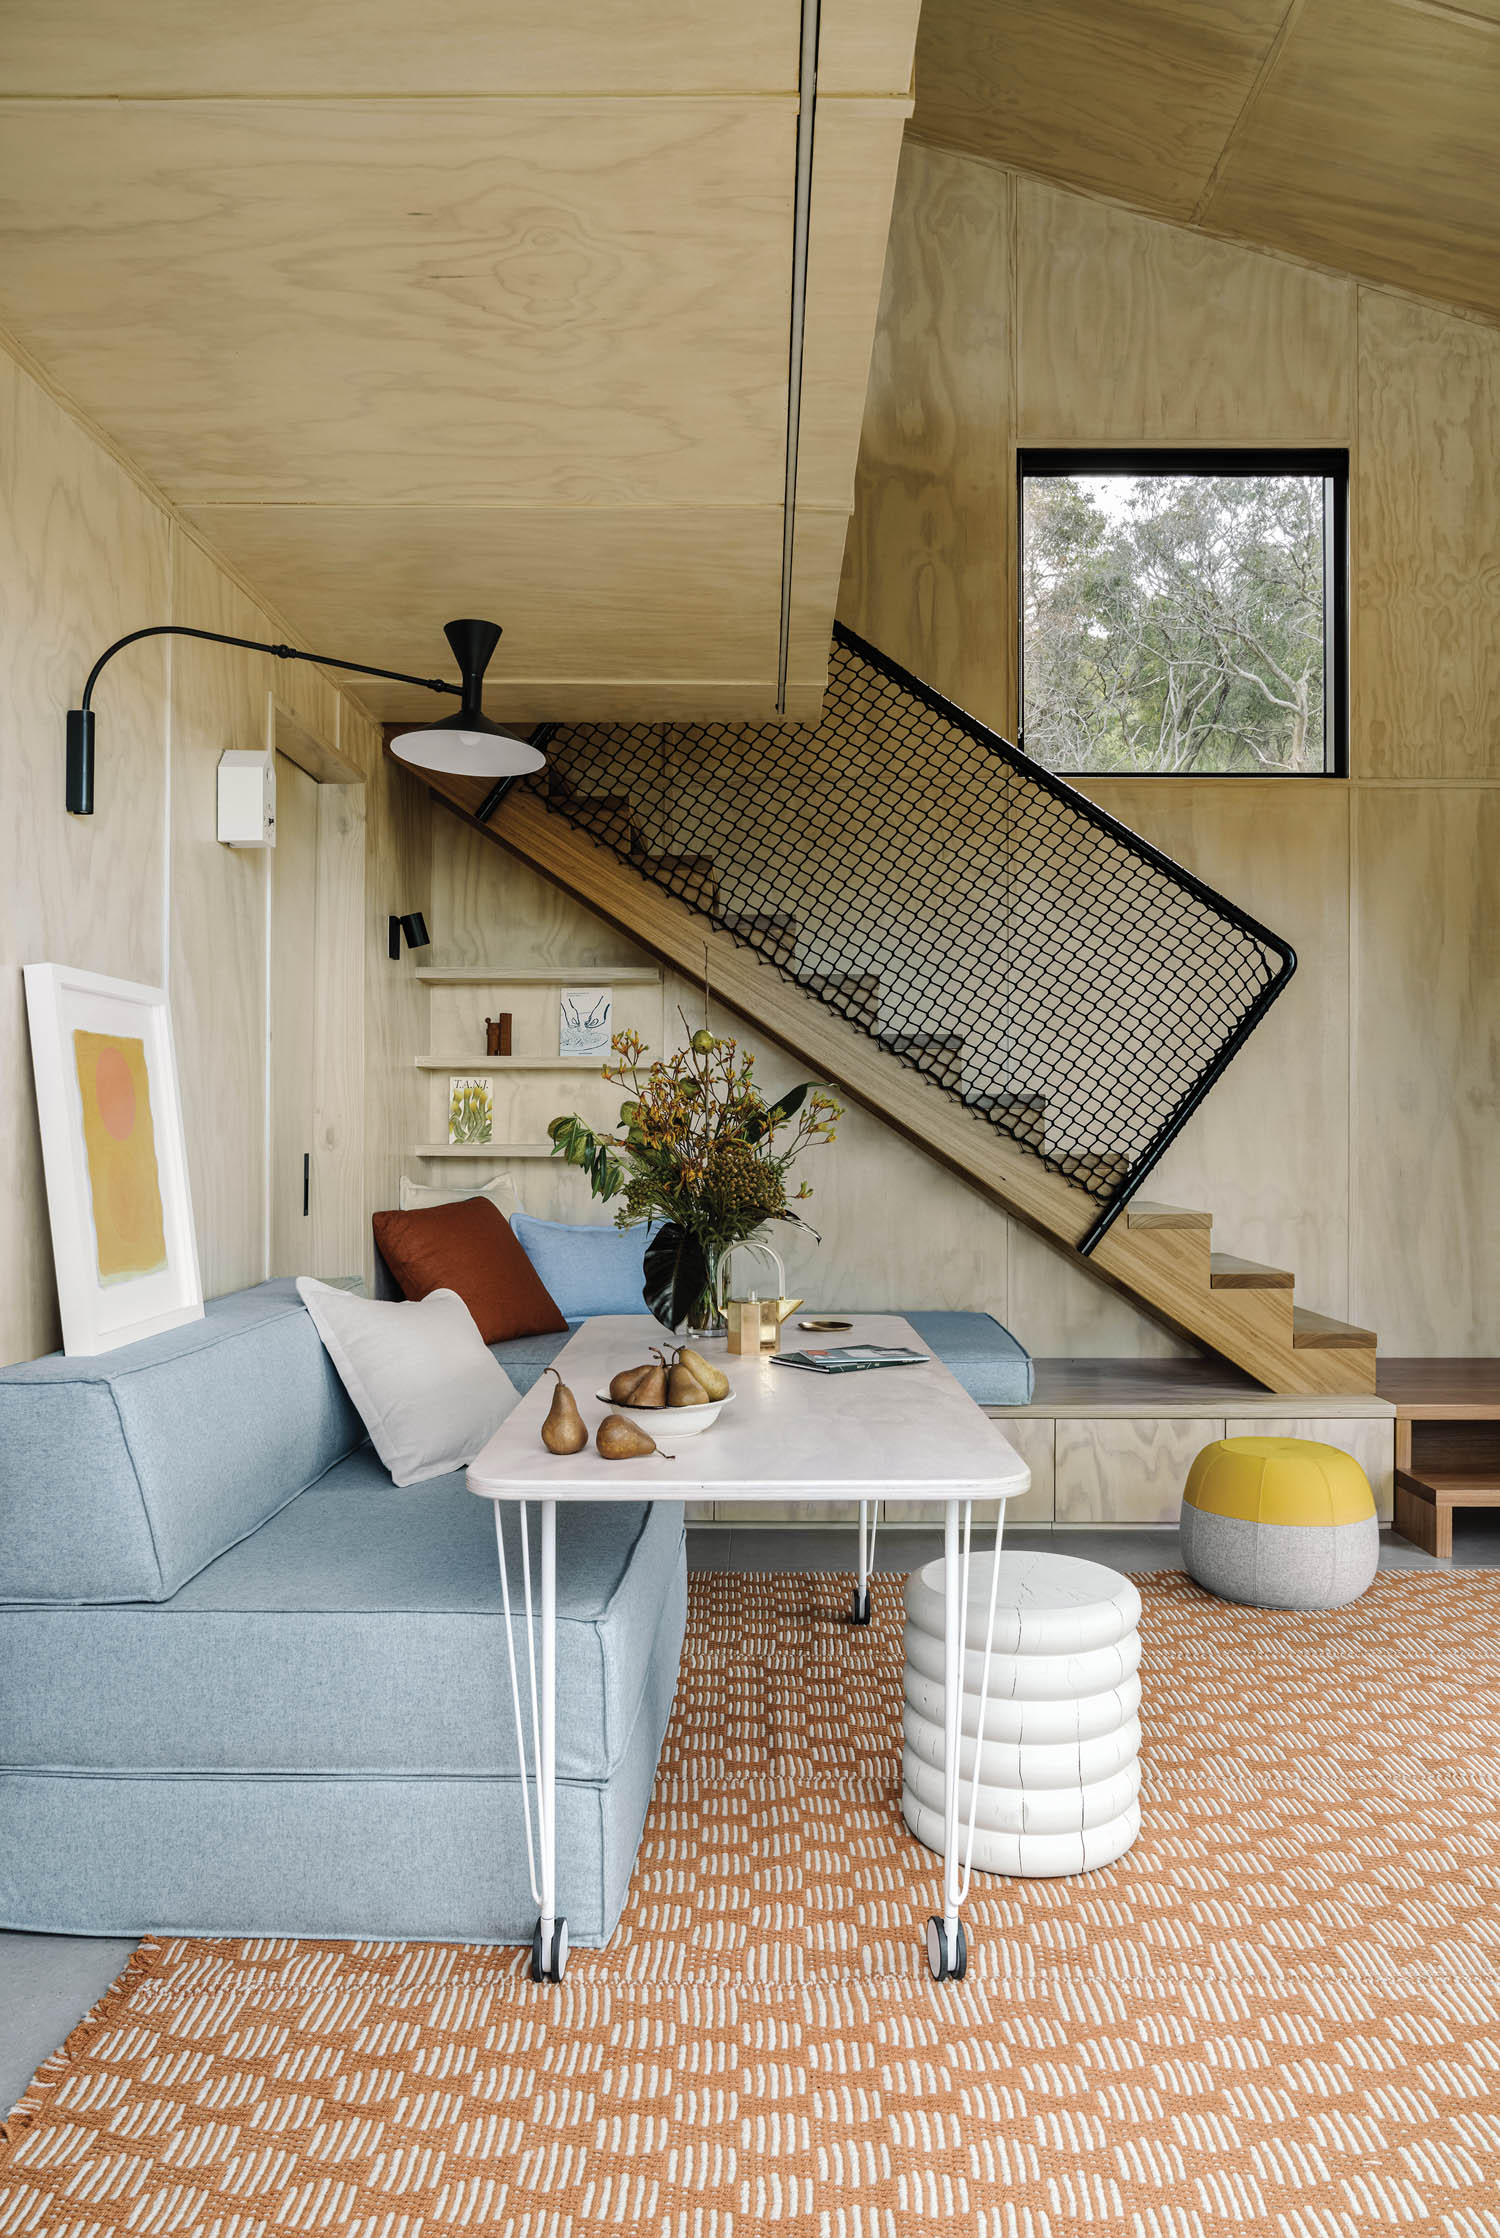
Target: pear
x: 684, y: 1389
x: 564, y: 1430
x: 714, y: 1381
x: 619, y: 1440
x: 622, y: 1386
x: 651, y: 1391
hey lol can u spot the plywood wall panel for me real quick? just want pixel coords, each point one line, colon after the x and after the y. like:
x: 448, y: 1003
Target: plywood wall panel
x: 375, y: 303
x: 172, y: 47
x: 854, y: 167
x: 596, y: 602
x: 926, y: 572
x: 1371, y: 147
x: 1426, y: 1106
x: 1427, y: 544
x: 85, y: 892
x: 1135, y: 102
x: 1137, y: 332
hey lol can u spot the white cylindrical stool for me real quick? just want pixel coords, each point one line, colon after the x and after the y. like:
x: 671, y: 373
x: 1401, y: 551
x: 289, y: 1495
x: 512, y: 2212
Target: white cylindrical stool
x: 1057, y: 1764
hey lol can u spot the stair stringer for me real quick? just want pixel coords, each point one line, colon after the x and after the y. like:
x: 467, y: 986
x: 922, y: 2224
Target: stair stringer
x: 1163, y: 1272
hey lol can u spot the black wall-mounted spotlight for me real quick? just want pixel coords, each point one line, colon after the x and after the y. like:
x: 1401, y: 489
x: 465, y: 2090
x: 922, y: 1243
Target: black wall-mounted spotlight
x: 467, y: 744
x: 413, y: 927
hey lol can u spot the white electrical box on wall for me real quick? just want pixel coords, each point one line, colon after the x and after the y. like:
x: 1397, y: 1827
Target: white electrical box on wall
x: 247, y: 799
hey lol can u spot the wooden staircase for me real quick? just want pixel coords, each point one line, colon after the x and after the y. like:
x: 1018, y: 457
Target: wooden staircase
x: 1158, y: 1256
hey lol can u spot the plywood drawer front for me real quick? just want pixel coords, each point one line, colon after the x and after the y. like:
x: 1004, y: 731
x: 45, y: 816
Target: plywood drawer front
x: 1372, y: 1443
x: 746, y: 1514
x: 1032, y: 1437
x: 698, y: 1511
x: 1126, y: 1468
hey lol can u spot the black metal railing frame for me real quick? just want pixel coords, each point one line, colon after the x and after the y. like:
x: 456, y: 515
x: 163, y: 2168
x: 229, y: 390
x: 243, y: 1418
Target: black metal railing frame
x: 1277, y: 959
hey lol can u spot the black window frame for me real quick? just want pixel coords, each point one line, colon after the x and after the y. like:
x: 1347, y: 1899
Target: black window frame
x: 1329, y: 463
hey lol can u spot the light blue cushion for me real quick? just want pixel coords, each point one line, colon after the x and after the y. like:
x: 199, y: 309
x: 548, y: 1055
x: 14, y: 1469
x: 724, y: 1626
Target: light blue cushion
x: 526, y: 1359
x: 360, y: 1630
x: 982, y: 1355
x: 386, y: 1857
x: 586, y: 1270
x: 123, y: 1473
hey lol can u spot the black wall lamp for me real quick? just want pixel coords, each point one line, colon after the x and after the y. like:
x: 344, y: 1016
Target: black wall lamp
x: 413, y: 929
x: 465, y: 744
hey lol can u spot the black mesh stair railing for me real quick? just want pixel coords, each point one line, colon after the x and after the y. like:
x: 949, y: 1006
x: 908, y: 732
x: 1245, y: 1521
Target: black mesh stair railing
x: 992, y: 928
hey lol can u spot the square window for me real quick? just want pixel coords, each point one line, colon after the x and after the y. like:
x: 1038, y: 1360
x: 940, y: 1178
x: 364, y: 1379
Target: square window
x: 1183, y: 613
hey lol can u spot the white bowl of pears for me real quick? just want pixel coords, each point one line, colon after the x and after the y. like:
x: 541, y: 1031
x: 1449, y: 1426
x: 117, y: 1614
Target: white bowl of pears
x: 682, y: 1393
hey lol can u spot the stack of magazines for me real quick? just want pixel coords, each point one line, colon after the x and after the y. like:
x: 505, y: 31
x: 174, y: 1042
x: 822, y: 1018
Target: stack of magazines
x: 846, y: 1359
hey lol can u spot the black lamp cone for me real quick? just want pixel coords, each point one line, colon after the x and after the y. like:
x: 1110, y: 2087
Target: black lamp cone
x: 473, y: 646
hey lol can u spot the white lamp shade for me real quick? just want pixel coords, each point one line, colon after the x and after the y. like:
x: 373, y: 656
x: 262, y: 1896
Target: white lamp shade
x: 468, y: 753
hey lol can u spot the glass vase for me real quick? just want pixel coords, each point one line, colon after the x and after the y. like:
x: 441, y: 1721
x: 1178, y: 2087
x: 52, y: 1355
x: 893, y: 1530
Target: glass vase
x: 706, y: 1317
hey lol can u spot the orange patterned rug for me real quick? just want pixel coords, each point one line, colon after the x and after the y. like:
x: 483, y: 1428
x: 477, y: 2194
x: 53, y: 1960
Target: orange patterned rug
x: 1279, y: 2013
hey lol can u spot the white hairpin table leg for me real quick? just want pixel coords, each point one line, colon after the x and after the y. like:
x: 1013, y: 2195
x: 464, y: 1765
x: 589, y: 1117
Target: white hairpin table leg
x: 859, y: 1612
x: 947, y: 1945
x: 549, y: 1942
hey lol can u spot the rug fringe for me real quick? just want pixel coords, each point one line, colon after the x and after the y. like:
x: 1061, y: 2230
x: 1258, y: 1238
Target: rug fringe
x: 141, y: 1962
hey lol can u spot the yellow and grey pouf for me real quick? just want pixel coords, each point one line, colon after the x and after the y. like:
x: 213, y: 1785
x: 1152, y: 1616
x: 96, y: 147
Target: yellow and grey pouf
x: 1279, y: 1523
x: 1057, y: 1763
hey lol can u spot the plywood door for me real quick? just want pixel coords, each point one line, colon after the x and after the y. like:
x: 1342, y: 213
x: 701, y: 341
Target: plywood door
x: 294, y: 979
x: 1127, y: 1468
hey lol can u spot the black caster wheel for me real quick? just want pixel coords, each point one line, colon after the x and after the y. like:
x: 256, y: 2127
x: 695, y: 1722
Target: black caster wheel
x: 549, y: 1966
x: 947, y: 1960
x: 859, y: 1606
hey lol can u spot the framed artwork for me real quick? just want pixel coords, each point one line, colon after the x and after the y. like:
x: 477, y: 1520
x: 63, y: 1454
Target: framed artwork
x: 114, y: 1157
x: 585, y: 1021
x: 471, y: 1110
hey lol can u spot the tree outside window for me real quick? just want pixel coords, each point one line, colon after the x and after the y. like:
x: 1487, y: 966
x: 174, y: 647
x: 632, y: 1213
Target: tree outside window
x: 1178, y: 620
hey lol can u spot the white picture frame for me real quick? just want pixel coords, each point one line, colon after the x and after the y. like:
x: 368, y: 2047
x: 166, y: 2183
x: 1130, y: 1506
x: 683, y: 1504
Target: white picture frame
x: 585, y: 1021
x: 109, y: 1291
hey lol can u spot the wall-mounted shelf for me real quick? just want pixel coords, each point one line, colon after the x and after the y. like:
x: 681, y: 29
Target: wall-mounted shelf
x: 481, y: 1151
x: 465, y: 1065
x: 570, y: 975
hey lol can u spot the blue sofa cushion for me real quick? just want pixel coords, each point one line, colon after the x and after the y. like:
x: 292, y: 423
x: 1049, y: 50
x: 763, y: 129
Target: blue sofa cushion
x: 356, y: 1632
x: 587, y: 1270
x: 526, y: 1359
x: 123, y: 1473
x: 980, y: 1353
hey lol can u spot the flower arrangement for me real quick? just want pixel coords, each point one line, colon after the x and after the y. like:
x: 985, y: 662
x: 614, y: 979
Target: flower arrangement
x: 700, y: 1150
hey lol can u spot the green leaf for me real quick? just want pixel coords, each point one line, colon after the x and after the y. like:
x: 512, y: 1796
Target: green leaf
x: 776, y: 1114
x: 676, y: 1274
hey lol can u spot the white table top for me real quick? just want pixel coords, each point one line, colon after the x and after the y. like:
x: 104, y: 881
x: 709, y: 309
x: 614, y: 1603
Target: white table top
x: 901, y: 1433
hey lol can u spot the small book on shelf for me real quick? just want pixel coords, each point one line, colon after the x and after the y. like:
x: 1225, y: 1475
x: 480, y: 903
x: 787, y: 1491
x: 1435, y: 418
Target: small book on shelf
x: 848, y: 1359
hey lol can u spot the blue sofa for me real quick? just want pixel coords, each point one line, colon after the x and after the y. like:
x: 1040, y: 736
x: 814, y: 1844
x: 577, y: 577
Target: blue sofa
x: 248, y: 1687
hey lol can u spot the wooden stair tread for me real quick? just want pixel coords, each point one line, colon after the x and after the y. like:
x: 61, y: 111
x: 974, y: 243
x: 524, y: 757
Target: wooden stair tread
x: 1141, y: 1213
x: 1311, y: 1329
x: 1476, y: 1487
x: 1226, y: 1272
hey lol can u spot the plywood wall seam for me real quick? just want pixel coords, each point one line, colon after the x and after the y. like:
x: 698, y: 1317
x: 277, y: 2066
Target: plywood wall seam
x: 1268, y: 63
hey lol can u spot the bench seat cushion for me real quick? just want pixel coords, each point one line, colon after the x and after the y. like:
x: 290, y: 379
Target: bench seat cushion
x: 526, y: 1359
x: 357, y: 1632
x: 983, y: 1356
x: 123, y: 1473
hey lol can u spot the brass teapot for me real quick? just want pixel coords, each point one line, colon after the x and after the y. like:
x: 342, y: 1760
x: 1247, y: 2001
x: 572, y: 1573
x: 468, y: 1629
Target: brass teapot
x: 755, y: 1322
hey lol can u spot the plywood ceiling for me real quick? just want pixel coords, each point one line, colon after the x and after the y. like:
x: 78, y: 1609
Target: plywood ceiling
x: 1360, y: 134
x: 470, y: 309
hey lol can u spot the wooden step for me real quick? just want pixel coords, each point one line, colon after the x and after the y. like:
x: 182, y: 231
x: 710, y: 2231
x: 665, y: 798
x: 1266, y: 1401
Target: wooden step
x: 1319, y: 1332
x: 940, y: 1056
x: 1425, y: 1502
x: 774, y: 936
x: 856, y: 994
x: 605, y: 817
x: 1226, y: 1272
x: 693, y: 878
x: 1141, y: 1213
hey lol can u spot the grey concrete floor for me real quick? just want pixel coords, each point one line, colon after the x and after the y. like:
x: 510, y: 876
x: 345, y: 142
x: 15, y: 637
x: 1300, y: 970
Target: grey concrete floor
x: 48, y: 1982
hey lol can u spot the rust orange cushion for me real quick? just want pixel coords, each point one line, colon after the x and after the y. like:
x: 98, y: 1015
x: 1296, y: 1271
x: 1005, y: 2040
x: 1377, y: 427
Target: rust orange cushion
x: 469, y: 1248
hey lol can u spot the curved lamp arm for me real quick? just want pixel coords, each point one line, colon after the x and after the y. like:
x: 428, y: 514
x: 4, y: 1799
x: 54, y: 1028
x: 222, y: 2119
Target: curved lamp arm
x: 80, y: 793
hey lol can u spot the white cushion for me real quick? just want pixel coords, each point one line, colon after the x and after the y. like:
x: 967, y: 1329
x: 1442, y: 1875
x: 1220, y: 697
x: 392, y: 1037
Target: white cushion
x: 501, y: 1191
x: 427, y: 1386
